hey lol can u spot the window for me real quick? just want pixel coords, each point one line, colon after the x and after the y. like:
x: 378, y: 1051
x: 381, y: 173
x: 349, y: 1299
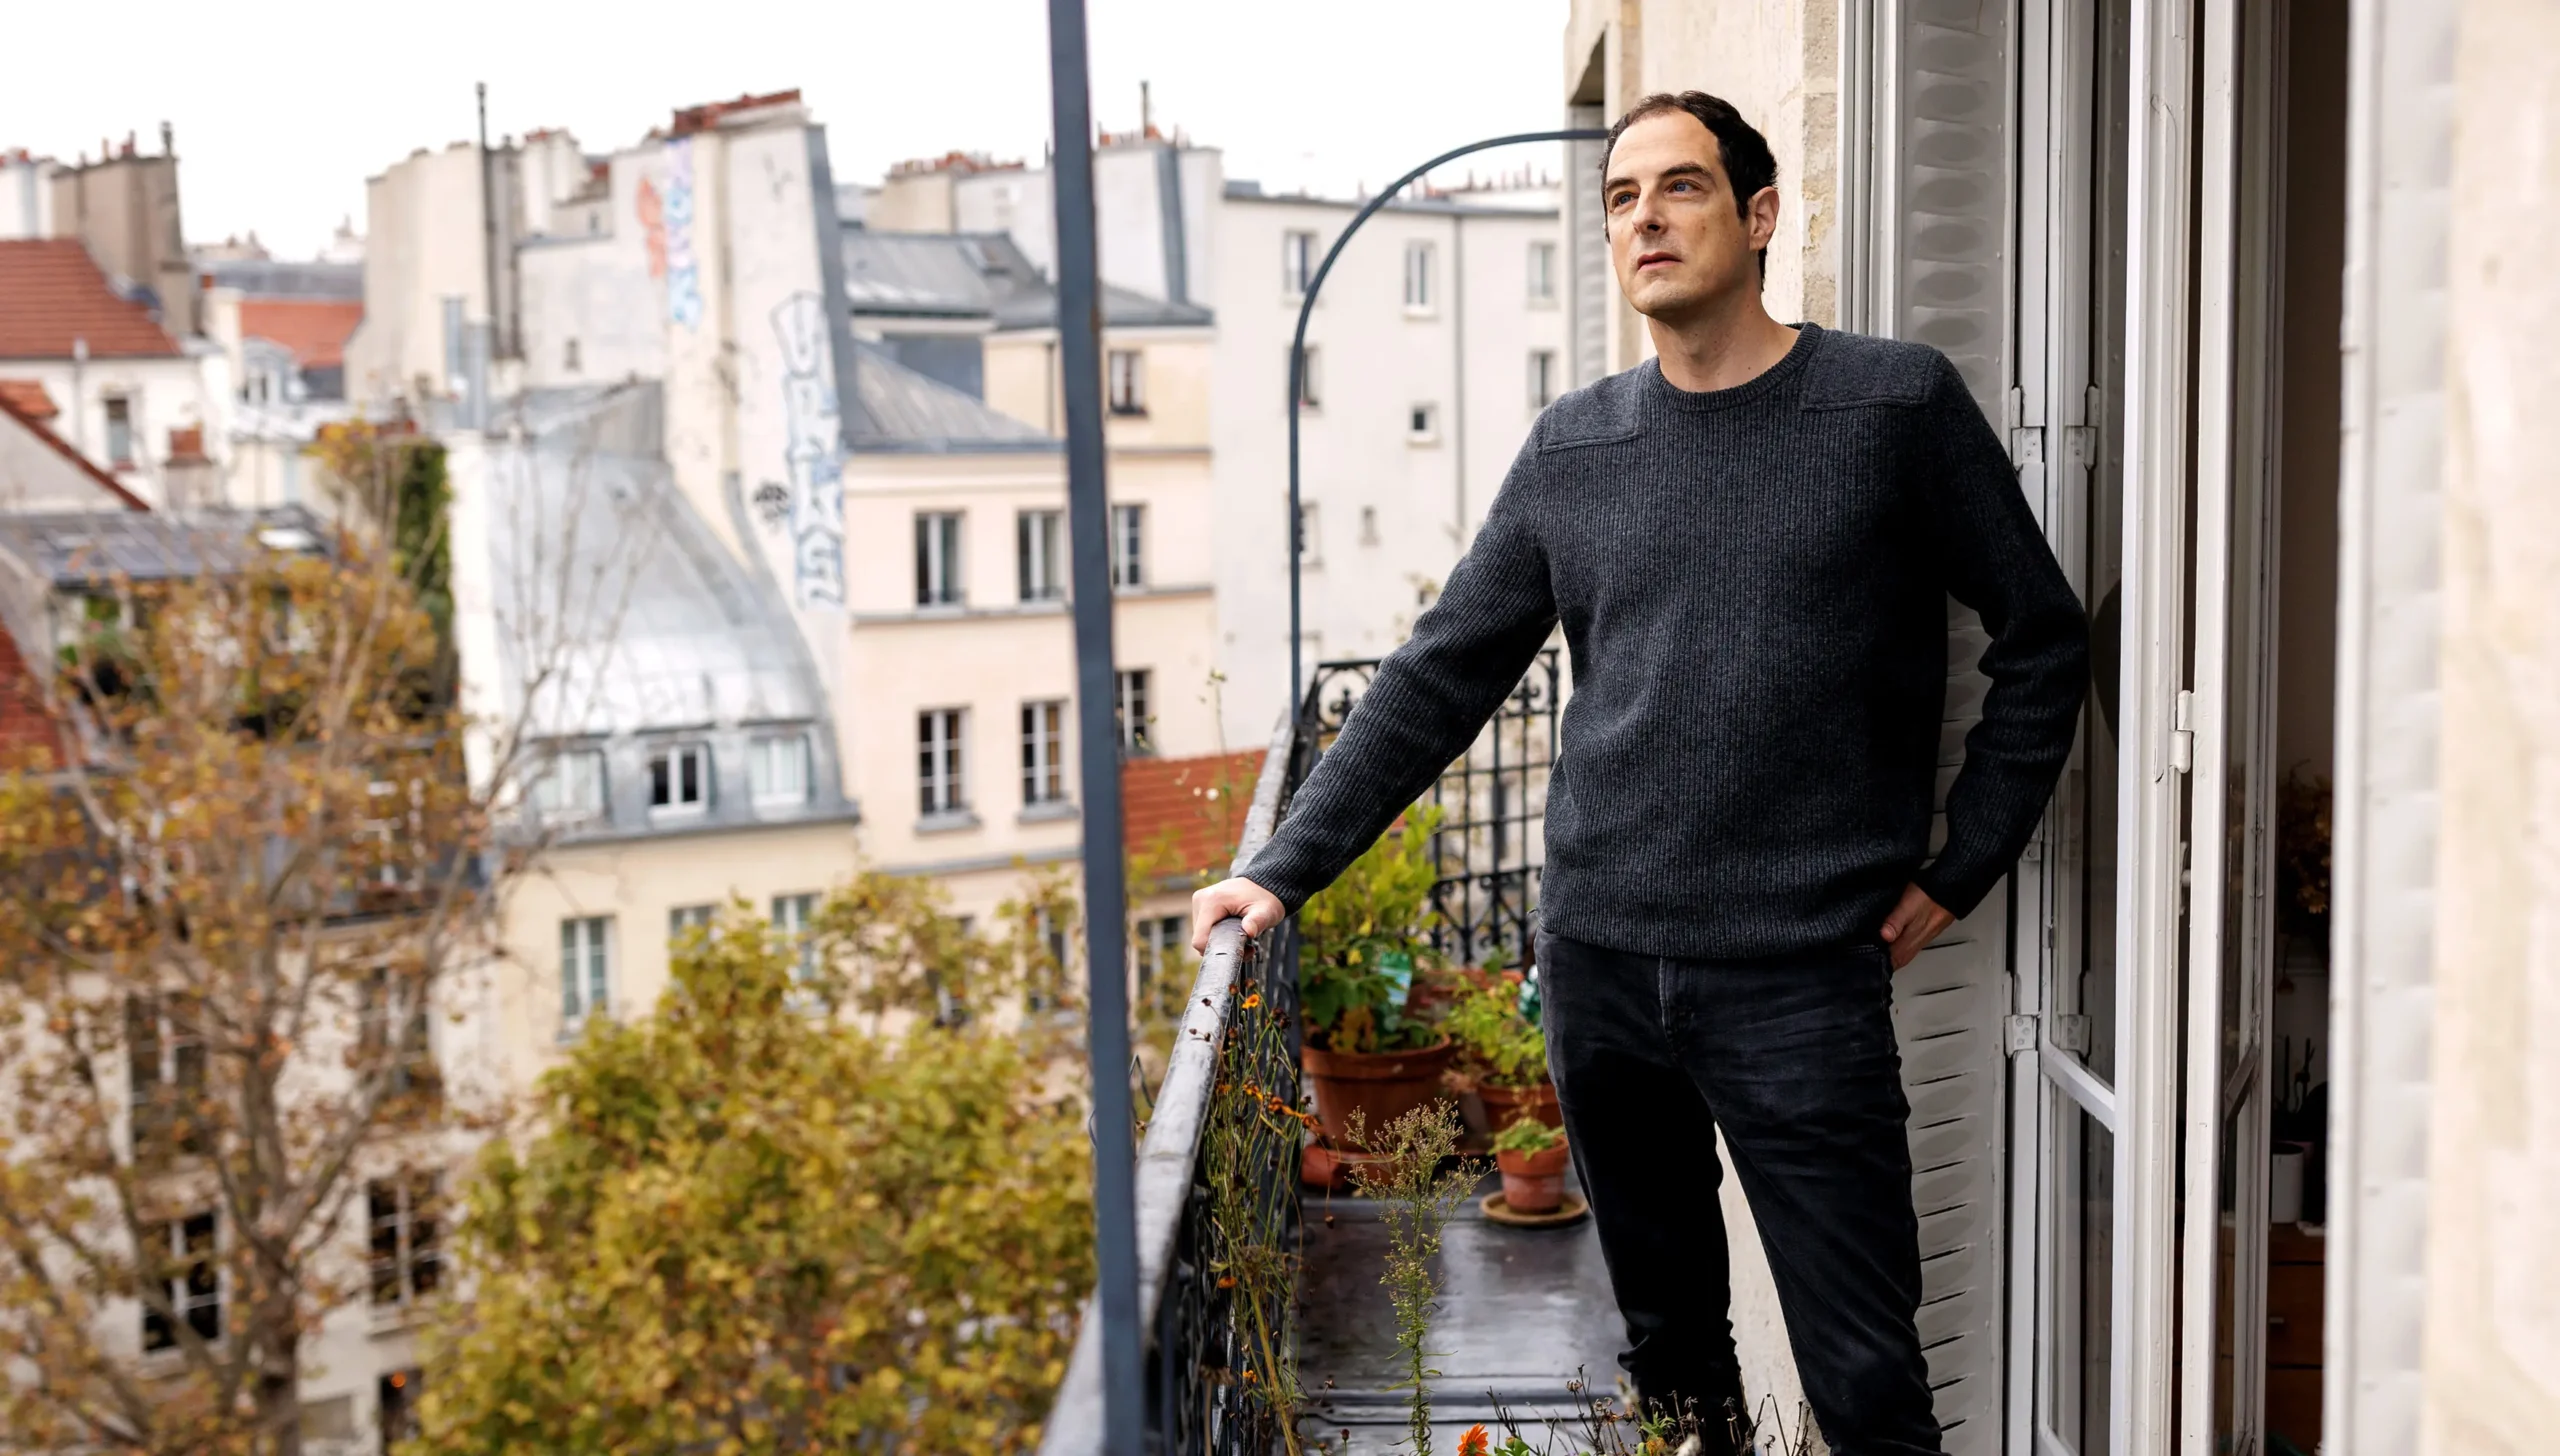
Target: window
x: 1542, y: 272
x: 395, y: 1399
x: 1137, y: 730
x: 1422, y: 424
x: 778, y: 769
x: 408, y: 1258
x: 1309, y: 379
x: 1128, y: 382
x: 406, y: 1050
x: 791, y: 917
x: 1297, y: 262
x: 1050, y: 978
x: 119, y: 431
x: 1542, y: 378
x: 944, y: 777
x: 586, y: 969
x: 1417, y: 277
x: 570, y: 786
x: 569, y: 356
x: 1128, y: 546
x: 1159, y: 944
x: 689, y: 917
x: 1044, y: 775
x: 1310, y: 535
x: 679, y: 778
x: 938, y: 559
x: 1368, y: 525
x: 179, y: 1258
x: 1040, y: 555
x: 165, y: 1062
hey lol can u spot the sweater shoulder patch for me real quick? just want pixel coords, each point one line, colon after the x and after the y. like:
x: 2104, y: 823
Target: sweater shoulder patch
x: 1855, y: 371
x: 1597, y: 414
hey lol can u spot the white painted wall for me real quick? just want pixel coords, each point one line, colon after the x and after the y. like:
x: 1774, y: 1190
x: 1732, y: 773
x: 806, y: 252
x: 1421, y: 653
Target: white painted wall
x: 601, y: 292
x: 34, y: 476
x: 424, y: 242
x: 26, y: 196
x: 1391, y: 516
x: 162, y: 393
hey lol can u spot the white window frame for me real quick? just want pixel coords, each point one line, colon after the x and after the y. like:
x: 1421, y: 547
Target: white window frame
x: 940, y: 580
x: 177, y: 1059
x: 570, y: 787
x: 1422, y: 424
x: 121, y: 432
x: 1044, y: 751
x: 1128, y: 545
x: 586, y: 970
x: 1542, y: 271
x: 778, y: 770
x: 791, y: 918
x: 676, y: 757
x: 1125, y: 378
x: 682, y: 918
x: 185, y: 1301
x: 1310, y: 380
x: 1543, y: 372
x: 1298, y: 262
x: 1131, y: 688
x: 1310, y: 535
x: 415, y: 1203
x: 1040, y: 555
x: 1420, y: 299
x: 942, y: 736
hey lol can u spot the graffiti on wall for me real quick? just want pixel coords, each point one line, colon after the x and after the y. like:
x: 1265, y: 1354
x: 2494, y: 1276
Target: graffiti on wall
x: 684, y: 279
x: 815, y: 450
x: 651, y: 209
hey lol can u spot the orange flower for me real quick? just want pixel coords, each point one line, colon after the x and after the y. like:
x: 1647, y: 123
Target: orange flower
x: 1252, y: 999
x: 1476, y: 1442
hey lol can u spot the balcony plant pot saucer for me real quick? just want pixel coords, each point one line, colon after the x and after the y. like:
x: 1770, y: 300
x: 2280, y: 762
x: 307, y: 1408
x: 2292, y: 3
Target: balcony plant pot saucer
x: 1381, y: 1086
x: 1503, y: 1105
x: 1571, y: 1209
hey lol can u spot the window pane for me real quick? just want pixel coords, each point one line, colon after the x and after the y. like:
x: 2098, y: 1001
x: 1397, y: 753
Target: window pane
x: 572, y: 995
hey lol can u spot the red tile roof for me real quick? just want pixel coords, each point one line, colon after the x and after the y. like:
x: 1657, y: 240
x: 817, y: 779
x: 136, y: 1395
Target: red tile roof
x: 11, y: 405
x: 52, y: 293
x: 24, y: 724
x: 29, y: 397
x: 315, y: 329
x: 1181, y: 817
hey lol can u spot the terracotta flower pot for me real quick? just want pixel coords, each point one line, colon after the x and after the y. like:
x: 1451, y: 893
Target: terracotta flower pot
x: 1382, y: 1086
x: 1504, y: 1105
x: 1322, y: 1167
x: 1534, y: 1182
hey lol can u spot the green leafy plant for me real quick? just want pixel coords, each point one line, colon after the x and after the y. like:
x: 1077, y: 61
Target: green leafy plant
x: 1497, y: 1043
x: 1253, y: 1124
x: 1527, y: 1135
x: 1362, y: 941
x: 1414, y: 1177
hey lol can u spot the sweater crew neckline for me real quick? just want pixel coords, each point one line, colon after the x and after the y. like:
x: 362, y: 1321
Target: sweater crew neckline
x: 1791, y: 363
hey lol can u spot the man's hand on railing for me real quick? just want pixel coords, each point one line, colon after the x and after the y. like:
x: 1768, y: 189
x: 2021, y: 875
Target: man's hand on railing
x: 1239, y: 897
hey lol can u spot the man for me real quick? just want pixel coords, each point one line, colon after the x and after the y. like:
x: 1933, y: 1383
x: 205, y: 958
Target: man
x: 1749, y: 542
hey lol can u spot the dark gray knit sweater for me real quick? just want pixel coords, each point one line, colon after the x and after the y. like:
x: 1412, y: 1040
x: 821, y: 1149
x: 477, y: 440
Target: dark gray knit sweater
x: 1753, y: 587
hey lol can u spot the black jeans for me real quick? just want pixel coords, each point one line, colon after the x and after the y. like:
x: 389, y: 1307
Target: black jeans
x: 1795, y: 1059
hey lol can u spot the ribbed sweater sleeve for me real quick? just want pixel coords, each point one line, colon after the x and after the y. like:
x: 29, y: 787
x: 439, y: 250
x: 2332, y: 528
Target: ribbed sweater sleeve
x: 1427, y: 701
x: 1997, y: 563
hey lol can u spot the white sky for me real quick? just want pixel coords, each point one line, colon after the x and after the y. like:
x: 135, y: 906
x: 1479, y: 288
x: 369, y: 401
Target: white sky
x: 282, y: 108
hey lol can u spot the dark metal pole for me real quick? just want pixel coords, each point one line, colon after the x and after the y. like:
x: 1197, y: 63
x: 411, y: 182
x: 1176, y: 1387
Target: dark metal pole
x: 1298, y: 358
x: 1115, y: 1158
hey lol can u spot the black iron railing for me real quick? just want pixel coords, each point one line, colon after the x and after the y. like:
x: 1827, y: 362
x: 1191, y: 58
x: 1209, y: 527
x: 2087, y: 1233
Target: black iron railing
x: 1491, y: 845
x: 1213, y: 1175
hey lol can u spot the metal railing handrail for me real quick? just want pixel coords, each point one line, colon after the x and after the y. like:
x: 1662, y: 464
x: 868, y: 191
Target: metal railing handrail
x: 1170, y: 1152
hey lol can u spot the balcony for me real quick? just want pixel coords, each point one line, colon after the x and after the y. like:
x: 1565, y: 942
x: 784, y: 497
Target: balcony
x: 1522, y: 1314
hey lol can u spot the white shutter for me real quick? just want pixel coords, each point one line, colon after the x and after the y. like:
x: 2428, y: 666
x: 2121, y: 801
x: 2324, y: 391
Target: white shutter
x: 1939, y: 234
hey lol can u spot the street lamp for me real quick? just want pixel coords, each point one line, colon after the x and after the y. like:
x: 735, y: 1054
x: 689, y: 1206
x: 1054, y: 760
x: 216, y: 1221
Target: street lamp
x: 1298, y: 362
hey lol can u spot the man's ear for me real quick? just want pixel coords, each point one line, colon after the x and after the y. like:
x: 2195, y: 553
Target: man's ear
x: 1764, y: 218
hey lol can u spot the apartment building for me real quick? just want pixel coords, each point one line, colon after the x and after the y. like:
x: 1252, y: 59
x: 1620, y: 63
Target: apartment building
x: 1439, y: 336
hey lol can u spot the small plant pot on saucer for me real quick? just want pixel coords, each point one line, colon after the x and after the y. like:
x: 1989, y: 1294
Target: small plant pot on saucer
x: 1533, y: 1183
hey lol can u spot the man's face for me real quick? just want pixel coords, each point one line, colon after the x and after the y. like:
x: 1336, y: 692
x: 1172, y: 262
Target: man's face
x: 1675, y: 236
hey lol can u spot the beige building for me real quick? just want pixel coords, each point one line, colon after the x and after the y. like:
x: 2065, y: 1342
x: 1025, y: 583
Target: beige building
x: 2240, y: 285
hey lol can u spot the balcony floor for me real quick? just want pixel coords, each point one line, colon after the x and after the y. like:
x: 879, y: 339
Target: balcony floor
x: 1521, y: 1312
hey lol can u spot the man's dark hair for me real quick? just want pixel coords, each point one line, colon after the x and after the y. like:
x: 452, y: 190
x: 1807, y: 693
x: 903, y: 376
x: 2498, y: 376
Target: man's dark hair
x: 1748, y: 166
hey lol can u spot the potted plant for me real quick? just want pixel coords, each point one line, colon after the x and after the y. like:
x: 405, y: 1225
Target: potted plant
x: 1531, y: 1156
x: 1501, y: 1052
x: 1360, y: 943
